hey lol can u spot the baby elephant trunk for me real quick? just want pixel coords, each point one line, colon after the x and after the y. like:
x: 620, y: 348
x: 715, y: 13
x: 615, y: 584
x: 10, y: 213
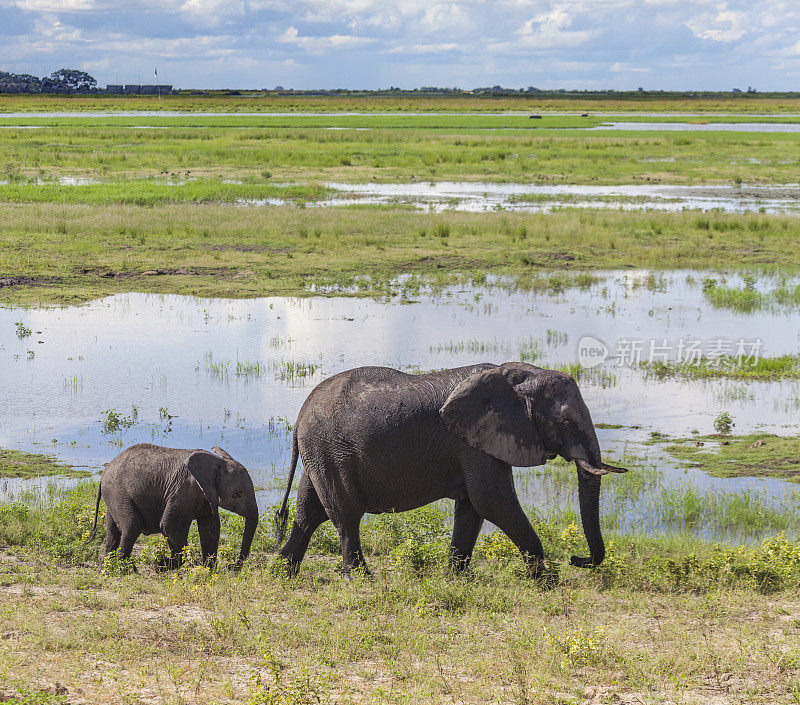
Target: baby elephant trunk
x: 250, y: 526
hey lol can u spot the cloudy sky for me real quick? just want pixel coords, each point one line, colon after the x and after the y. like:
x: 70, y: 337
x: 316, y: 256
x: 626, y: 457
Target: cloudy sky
x: 622, y: 44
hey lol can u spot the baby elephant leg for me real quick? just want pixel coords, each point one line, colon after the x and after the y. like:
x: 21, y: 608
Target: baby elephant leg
x: 176, y: 528
x: 208, y: 528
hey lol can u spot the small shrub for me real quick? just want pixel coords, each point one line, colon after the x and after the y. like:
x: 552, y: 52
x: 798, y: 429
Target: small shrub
x: 498, y: 547
x: 724, y: 424
x: 580, y: 647
x: 279, y: 688
x: 114, y: 565
x: 420, y: 556
x: 114, y: 422
x: 22, y: 330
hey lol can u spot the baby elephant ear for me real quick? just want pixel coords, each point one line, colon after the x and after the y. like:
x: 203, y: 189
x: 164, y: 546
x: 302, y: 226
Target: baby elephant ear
x: 221, y: 453
x: 204, y: 469
x: 490, y: 415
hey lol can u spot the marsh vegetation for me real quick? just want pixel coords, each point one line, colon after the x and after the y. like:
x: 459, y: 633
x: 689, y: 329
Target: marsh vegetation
x: 195, y: 318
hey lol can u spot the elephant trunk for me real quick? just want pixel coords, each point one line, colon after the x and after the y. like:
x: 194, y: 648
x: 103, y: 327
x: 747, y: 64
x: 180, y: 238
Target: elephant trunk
x: 589, y: 500
x: 250, y: 526
x: 589, y: 473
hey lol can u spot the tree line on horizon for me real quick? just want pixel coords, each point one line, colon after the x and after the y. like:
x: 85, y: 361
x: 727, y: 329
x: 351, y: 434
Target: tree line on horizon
x: 62, y: 81
x: 68, y: 80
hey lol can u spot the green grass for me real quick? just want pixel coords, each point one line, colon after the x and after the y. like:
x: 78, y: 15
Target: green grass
x: 727, y: 367
x: 150, y: 193
x: 747, y: 299
x: 760, y: 454
x: 393, y: 149
x: 734, y: 512
x: 70, y: 253
x: 226, y: 101
x: 16, y: 463
x: 300, y: 121
x: 590, y: 376
x: 663, y: 619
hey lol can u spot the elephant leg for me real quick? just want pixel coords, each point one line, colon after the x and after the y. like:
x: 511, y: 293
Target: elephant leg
x: 491, y: 491
x: 176, y: 529
x: 130, y: 531
x: 350, y: 538
x: 208, y: 528
x: 113, y: 535
x: 309, y: 516
x: 466, y: 527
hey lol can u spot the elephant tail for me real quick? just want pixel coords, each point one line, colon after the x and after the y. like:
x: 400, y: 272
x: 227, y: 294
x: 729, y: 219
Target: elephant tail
x: 96, y: 512
x: 282, y: 515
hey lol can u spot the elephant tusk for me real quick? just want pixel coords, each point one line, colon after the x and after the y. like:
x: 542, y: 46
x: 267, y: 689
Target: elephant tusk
x: 604, y: 468
x: 586, y: 467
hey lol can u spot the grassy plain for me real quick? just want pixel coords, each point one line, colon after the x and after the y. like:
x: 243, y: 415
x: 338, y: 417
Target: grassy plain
x: 162, y: 215
x: 223, y: 102
x: 416, y: 148
x: 663, y: 621
x: 76, y: 252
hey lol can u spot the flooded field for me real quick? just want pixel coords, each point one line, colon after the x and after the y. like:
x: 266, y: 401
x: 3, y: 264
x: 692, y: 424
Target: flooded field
x: 701, y: 127
x: 81, y: 382
x: 465, y: 196
x: 538, y: 198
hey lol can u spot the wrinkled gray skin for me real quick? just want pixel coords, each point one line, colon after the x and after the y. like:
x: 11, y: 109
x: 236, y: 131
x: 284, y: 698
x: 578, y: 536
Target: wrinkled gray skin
x: 377, y: 440
x: 149, y: 490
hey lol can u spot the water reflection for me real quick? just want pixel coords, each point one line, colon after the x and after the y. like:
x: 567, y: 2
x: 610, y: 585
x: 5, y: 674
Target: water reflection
x: 543, y: 198
x: 192, y: 372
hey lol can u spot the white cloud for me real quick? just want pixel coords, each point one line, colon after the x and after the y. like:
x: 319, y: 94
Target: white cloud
x: 427, y: 48
x: 318, y: 44
x: 725, y: 26
x: 551, y: 30
x: 58, y: 5
x: 369, y: 43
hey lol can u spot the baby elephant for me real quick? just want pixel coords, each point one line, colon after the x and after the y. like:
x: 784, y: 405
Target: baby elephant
x: 149, y: 489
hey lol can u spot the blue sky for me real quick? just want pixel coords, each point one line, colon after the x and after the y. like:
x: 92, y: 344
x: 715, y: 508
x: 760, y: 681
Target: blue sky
x: 621, y: 44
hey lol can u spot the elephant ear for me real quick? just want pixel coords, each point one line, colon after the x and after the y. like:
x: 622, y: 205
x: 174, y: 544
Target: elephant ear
x: 221, y: 453
x: 205, y: 468
x: 486, y: 411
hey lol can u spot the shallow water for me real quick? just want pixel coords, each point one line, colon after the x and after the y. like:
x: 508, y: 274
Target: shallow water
x: 542, y: 198
x: 206, y: 372
x: 701, y: 127
x: 476, y: 197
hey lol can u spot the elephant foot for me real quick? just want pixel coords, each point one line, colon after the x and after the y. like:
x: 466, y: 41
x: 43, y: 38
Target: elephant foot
x: 358, y: 573
x: 544, y: 577
x: 164, y: 565
x: 458, y: 563
x: 582, y: 562
x: 281, y: 566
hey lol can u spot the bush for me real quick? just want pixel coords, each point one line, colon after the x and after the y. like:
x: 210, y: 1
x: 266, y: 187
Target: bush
x: 723, y: 424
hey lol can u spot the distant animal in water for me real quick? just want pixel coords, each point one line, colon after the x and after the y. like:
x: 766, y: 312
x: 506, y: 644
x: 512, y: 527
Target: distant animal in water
x: 374, y: 439
x: 149, y: 489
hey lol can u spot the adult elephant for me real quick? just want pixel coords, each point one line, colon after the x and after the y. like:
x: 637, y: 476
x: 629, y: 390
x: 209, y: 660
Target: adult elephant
x: 149, y: 489
x: 374, y: 439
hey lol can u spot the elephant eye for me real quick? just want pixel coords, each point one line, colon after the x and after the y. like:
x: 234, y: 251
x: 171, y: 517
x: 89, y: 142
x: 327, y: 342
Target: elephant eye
x: 236, y: 495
